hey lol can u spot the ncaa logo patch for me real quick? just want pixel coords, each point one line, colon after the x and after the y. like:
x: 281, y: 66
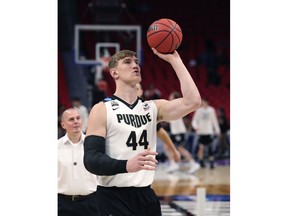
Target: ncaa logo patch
x: 114, y: 105
x: 146, y: 106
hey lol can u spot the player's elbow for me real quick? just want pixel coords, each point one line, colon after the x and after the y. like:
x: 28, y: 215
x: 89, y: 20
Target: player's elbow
x: 90, y: 163
x: 194, y: 103
x: 94, y: 147
x: 87, y: 164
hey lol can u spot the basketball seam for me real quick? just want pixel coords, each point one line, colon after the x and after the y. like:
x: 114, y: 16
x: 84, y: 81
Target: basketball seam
x: 164, y: 40
x: 158, y: 32
x: 174, y: 27
x: 171, y: 34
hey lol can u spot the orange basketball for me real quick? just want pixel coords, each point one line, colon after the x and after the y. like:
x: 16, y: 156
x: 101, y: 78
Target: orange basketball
x: 165, y: 35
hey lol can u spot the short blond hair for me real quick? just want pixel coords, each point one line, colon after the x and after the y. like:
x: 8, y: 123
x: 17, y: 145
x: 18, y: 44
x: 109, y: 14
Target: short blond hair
x: 118, y: 56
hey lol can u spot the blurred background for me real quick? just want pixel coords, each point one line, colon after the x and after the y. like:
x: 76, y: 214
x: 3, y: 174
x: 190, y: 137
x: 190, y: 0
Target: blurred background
x: 90, y: 31
x: 205, y: 48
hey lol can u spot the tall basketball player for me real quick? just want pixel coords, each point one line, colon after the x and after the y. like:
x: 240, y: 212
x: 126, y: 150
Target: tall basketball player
x: 120, y: 144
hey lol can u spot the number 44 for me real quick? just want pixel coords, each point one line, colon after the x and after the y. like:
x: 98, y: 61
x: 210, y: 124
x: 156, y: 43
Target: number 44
x: 132, y: 141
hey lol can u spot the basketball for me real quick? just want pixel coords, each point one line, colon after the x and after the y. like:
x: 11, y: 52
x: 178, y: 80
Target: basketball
x: 165, y: 35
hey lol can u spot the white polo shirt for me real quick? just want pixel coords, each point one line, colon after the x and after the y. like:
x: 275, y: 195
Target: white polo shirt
x: 73, y: 178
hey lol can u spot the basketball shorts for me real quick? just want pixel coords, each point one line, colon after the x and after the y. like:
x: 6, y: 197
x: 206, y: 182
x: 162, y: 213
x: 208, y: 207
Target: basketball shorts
x: 178, y: 139
x: 205, y: 139
x: 128, y: 201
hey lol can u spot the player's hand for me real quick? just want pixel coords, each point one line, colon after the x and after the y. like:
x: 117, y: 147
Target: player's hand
x: 142, y: 161
x: 166, y: 57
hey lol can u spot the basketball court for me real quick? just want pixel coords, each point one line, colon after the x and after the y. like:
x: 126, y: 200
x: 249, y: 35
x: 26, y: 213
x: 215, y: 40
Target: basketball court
x: 178, y: 191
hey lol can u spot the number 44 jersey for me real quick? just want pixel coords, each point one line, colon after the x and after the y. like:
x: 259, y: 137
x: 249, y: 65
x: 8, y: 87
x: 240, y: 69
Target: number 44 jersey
x: 131, y: 128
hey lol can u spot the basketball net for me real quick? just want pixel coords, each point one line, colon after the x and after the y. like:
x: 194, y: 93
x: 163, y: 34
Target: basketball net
x: 105, y: 60
x: 103, y: 68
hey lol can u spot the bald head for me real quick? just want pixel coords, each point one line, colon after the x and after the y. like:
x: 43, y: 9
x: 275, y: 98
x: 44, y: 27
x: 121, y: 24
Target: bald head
x: 71, y: 121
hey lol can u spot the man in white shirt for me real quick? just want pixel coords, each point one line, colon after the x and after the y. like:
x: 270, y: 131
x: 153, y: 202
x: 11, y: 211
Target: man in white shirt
x: 76, y: 186
x: 206, y: 126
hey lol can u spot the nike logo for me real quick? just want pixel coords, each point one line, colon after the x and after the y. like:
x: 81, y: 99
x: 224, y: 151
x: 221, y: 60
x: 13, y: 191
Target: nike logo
x: 115, y: 108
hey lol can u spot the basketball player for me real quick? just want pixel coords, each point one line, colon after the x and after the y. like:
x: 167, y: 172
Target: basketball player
x: 120, y: 146
x: 76, y: 186
x: 178, y: 133
x: 206, y: 126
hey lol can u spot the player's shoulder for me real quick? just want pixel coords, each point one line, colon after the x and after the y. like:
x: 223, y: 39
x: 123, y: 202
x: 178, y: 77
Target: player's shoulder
x: 98, y: 107
x: 111, y: 101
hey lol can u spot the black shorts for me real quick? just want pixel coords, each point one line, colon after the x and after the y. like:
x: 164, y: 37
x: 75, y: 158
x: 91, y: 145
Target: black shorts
x: 127, y: 201
x: 178, y: 139
x: 205, y: 139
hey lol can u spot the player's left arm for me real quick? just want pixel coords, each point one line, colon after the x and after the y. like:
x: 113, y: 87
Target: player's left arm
x: 190, y: 100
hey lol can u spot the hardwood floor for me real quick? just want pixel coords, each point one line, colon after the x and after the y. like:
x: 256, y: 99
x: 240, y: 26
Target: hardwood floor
x: 216, y: 181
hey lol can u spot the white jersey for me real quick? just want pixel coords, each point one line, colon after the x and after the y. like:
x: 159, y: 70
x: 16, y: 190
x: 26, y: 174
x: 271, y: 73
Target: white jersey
x: 130, y: 129
x: 177, y: 127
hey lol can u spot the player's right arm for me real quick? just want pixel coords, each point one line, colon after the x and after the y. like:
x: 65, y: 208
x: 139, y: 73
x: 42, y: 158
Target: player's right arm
x: 97, y: 161
x: 190, y: 100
